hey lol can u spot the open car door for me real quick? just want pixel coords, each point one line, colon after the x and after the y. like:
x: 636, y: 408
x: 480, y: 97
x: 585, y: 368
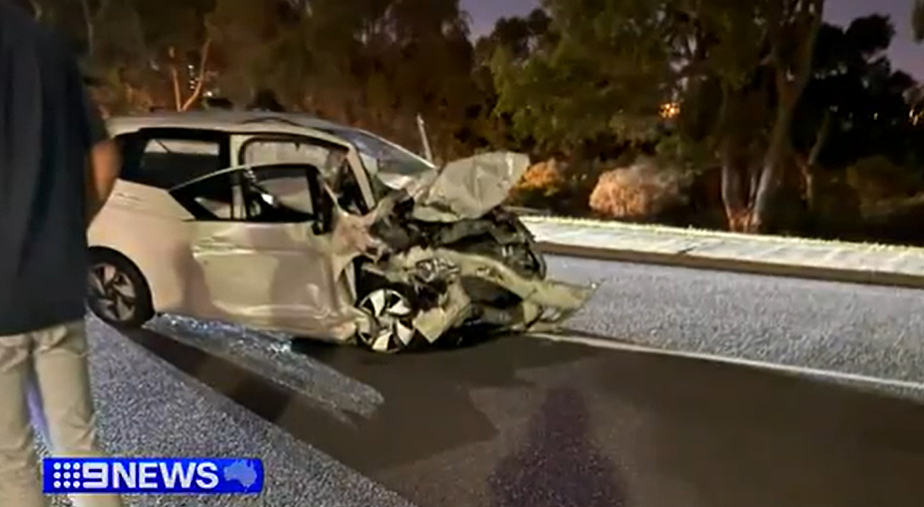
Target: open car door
x: 268, y: 264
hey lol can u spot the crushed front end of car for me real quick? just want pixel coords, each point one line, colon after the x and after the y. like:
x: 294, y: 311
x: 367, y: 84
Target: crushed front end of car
x: 455, y: 289
x: 463, y: 259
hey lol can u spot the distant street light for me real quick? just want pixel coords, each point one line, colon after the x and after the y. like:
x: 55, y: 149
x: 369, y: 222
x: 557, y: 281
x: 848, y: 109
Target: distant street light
x: 670, y: 110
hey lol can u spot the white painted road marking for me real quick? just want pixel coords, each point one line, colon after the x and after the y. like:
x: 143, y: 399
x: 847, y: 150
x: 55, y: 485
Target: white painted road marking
x: 784, y: 368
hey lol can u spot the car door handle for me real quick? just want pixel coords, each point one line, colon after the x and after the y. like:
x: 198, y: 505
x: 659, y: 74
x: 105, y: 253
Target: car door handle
x: 213, y: 243
x: 126, y: 197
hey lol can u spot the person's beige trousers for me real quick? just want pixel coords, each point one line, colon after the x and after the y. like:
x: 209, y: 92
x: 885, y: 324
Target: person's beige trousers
x: 57, y: 357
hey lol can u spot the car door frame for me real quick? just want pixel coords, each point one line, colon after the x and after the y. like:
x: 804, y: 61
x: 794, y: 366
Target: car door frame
x: 240, y: 141
x: 222, y: 247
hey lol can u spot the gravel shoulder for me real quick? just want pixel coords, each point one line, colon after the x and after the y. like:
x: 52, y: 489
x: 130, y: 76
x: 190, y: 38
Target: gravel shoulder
x: 147, y: 407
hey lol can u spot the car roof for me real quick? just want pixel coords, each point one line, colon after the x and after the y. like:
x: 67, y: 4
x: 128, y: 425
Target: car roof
x: 223, y: 121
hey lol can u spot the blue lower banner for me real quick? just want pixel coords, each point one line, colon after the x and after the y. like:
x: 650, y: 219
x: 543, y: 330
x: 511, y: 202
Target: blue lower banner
x: 152, y: 475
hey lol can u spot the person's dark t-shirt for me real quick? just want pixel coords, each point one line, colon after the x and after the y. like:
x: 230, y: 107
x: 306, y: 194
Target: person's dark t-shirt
x: 47, y: 127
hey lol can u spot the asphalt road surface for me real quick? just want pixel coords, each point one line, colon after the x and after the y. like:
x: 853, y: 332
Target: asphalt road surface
x: 535, y: 423
x: 859, y: 329
x: 527, y: 422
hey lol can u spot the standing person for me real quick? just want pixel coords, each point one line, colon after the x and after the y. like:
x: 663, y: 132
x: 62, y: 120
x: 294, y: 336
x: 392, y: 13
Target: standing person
x: 265, y: 100
x: 57, y: 168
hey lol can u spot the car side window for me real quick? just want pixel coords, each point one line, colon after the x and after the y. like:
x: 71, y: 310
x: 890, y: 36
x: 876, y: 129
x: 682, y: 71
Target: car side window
x: 289, y: 185
x: 210, y: 199
x: 284, y: 194
x: 285, y: 151
x: 330, y: 161
x: 168, y: 161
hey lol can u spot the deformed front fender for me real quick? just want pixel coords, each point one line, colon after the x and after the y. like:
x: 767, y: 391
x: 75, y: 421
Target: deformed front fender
x: 545, y: 303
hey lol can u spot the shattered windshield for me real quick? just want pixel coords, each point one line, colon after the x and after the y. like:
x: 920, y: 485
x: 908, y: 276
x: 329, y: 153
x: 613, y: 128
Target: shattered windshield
x: 390, y: 164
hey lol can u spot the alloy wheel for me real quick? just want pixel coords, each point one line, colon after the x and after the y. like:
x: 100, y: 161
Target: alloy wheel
x: 393, y: 314
x: 112, y: 293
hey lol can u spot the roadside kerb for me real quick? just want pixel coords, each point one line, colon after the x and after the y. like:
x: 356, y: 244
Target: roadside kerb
x: 859, y: 263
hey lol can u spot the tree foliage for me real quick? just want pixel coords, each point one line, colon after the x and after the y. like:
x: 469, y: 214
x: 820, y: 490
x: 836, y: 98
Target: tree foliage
x: 763, y: 92
x: 586, y: 76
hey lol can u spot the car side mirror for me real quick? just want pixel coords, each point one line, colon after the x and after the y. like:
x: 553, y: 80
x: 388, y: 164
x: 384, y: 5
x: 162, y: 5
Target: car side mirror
x: 317, y: 228
x: 322, y: 223
x: 323, y: 217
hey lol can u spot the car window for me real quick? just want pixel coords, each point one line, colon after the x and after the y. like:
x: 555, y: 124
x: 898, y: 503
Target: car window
x: 168, y: 162
x: 282, y: 151
x: 392, y: 166
x: 282, y: 194
x: 209, y: 199
x: 287, y: 184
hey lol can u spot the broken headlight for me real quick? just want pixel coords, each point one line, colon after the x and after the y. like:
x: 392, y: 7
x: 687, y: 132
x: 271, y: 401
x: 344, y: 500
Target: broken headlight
x: 431, y: 270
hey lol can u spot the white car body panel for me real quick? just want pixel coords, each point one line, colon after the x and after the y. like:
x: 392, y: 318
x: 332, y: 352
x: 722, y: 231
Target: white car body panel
x: 271, y: 276
x: 158, y: 241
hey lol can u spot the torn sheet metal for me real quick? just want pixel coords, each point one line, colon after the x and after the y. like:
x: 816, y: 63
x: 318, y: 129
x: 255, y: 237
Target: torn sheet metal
x: 461, y: 194
x: 455, y: 305
x: 469, y: 188
x: 543, y: 301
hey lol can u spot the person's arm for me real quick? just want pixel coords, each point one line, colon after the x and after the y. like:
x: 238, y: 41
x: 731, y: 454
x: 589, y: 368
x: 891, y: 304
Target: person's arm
x: 104, y: 160
x: 103, y: 171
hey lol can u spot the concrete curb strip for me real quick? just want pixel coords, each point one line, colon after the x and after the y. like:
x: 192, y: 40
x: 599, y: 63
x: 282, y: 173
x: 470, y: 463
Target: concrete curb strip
x: 765, y: 255
x: 664, y: 231
x: 737, y: 266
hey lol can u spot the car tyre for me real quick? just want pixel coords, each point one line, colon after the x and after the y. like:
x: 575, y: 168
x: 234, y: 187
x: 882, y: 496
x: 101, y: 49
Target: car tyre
x: 393, y: 310
x: 117, y: 292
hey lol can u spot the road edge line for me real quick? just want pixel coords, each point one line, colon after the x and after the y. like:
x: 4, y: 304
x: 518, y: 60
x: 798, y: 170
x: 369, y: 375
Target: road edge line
x: 734, y: 361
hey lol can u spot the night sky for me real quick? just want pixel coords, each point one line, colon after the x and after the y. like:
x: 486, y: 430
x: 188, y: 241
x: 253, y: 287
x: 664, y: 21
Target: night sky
x: 904, y: 53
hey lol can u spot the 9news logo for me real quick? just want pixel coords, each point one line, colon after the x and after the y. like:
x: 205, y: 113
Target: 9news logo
x: 152, y: 475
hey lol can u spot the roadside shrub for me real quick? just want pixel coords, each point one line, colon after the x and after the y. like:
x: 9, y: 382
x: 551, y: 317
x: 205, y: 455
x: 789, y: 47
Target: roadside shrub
x: 542, y: 180
x: 562, y: 188
x: 540, y: 186
x: 895, y: 221
x: 876, y: 179
x: 640, y: 191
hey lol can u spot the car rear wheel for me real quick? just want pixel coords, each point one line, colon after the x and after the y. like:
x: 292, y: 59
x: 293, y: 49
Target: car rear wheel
x: 392, y: 312
x: 117, y: 291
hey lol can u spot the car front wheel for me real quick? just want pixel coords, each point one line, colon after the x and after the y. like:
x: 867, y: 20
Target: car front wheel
x: 392, y: 313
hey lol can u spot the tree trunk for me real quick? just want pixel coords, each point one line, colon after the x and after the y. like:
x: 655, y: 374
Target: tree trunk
x: 771, y: 170
x: 809, y: 166
x: 175, y: 80
x: 204, y: 53
x: 790, y: 83
x: 179, y: 82
x: 734, y: 187
x: 735, y: 184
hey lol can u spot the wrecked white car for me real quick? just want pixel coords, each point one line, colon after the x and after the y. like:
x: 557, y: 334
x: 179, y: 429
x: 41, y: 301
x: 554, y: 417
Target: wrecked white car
x: 297, y: 225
